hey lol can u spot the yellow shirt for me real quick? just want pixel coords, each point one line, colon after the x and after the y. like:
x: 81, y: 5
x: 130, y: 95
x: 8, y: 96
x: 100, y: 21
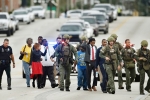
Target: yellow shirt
x: 26, y: 58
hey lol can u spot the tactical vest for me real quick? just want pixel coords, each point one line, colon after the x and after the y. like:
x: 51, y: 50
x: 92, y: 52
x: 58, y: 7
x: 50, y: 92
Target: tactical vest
x: 4, y: 55
x: 117, y: 44
x: 128, y: 56
x: 145, y: 54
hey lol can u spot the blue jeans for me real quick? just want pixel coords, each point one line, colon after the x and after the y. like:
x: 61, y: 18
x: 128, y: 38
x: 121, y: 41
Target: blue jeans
x: 82, y: 80
x: 27, y: 72
x: 105, y: 78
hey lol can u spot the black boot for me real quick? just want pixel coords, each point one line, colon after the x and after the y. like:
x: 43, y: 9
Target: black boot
x: 9, y: 84
x: 67, y: 89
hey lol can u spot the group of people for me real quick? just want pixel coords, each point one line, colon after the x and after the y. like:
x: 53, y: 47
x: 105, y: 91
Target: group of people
x: 106, y: 60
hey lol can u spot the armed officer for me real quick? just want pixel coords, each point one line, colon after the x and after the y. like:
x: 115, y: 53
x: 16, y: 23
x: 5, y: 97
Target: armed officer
x: 143, y: 58
x: 129, y: 56
x: 111, y: 55
x: 6, y: 55
x: 119, y: 46
x: 65, y: 52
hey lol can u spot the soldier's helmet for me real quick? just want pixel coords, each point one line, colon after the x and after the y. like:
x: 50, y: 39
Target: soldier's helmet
x: 114, y: 36
x: 83, y: 38
x: 110, y: 39
x: 144, y: 43
x: 66, y: 36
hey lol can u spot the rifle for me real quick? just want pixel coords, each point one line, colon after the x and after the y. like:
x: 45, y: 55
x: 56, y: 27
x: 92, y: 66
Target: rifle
x: 111, y: 61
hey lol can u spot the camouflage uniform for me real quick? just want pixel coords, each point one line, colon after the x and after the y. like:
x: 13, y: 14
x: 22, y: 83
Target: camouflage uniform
x: 128, y: 55
x: 111, y: 66
x: 144, y: 66
x: 119, y: 46
x: 66, y: 53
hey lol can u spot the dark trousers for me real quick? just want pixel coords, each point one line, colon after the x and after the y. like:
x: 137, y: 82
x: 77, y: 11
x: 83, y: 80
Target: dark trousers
x: 48, y: 71
x: 38, y: 77
x: 105, y: 78
x: 91, y: 66
x: 7, y: 70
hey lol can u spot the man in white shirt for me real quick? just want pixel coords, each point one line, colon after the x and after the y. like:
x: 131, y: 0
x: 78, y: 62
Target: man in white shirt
x: 47, y: 65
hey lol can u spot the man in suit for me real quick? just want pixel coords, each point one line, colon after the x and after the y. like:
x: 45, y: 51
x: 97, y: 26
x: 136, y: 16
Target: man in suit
x: 90, y: 59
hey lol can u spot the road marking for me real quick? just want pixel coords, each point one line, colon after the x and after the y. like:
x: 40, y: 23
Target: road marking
x: 120, y: 25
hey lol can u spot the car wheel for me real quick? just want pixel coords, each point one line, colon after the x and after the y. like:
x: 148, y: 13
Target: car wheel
x: 106, y: 31
x: 43, y: 18
x: 17, y: 27
x: 33, y: 20
x: 137, y: 78
x: 12, y: 31
x: 8, y: 32
x: 23, y: 74
x: 28, y: 22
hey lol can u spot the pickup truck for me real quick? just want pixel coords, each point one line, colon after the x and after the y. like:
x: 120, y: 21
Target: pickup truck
x: 6, y: 26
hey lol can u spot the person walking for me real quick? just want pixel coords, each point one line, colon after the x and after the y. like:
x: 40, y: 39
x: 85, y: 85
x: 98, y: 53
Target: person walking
x: 143, y: 58
x: 65, y: 53
x: 128, y: 56
x: 111, y: 54
x: 82, y: 79
x: 48, y: 67
x: 120, y: 47
x: 99, y: 63
x: 35, y: 63
x: 90, y: 59
x: 6, y: 55
x: 26, y: 51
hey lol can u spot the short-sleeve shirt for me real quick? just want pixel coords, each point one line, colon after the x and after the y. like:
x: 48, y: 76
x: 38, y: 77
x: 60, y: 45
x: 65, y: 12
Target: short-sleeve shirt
x: 81, y: 64
x: 26, y: 58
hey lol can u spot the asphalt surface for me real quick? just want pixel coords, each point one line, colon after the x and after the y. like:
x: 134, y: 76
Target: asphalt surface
x: 134, y: 28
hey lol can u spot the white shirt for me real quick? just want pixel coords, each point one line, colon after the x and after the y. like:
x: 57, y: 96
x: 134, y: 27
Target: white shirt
x: 50, y: 51
x: 94, y: 48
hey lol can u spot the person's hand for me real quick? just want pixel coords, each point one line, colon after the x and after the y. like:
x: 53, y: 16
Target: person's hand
x: 61, y: 59
x: 119, y: 68
x: 52, y: 60
x: 13, y: 65
x: 25, y: 53
x: 107, y: 58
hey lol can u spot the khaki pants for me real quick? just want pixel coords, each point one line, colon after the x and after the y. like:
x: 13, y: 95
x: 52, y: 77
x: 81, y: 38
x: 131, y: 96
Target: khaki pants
x: 100, y: 74
x: 55, y: 74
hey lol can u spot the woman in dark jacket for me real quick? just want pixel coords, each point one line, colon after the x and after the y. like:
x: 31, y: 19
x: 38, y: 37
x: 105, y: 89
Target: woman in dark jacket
x: 35, y: 63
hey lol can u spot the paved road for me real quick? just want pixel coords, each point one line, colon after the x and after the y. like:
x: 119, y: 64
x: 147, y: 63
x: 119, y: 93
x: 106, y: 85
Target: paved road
x: 135, y: 28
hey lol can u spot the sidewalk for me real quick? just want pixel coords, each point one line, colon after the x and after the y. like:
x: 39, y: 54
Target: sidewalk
x: 148, y: 97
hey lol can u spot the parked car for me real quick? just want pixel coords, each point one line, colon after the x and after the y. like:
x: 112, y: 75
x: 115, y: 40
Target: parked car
x: 22, y: 15
x: 75, y: 30
x: 39, y: 11
x: 93, y: 22
x: 32, y: 16
x: 82, y: 22
x: 15, y: 23
x: 102, y: 10
x: 108, y: 8
x: 102, y: 21
x: 115, y: 12
x: 6, y: 26
x: 77, y: 13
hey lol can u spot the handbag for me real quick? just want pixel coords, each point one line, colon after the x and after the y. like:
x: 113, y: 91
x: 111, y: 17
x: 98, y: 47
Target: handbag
x: 21, y: 55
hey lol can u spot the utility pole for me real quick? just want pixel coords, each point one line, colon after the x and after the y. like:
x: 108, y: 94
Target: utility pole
x: 50, y: 4
x: 3, y: 5
x: 58, y: 8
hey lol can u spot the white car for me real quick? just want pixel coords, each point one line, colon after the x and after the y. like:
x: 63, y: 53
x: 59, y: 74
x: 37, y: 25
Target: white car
x: 86, y: 12
x: 39, y: 11
x: 22, y: 15
x: 32, y: 16
x: 89, y: 29
x: 6, y: 26
x: 102, y: 10
x: 115, y: 12
x: 74, y: 13
x: 15, y: 23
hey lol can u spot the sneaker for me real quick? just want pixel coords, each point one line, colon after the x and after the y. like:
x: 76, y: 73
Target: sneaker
x: 61, y: 89
x: 67, y: 89
x: 85, y: 89
x: 78, y: 88
x: 54, y: 85
x: 9, y: 88
x: 90, y: 89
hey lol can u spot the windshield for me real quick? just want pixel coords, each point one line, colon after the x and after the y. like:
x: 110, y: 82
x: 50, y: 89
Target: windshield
x: 20, y: 13
x: 102, y: 11
x: 99, y: 17
x: 3, y: 17
x: 85, y: 14
x: 78, y: 22
x: 67, y: 28
x: 106, y: 7
x: 35, y: 9
x: 90, y: 20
